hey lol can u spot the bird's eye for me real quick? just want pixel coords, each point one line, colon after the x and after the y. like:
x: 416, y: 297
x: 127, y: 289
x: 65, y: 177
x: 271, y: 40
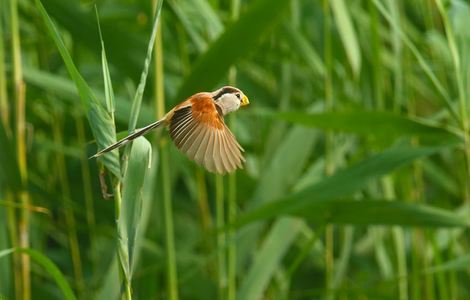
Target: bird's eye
x: 238, y: 96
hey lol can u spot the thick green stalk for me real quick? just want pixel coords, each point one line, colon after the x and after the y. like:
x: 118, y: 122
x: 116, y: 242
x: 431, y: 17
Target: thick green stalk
x: 203, y: 203
x: 127, y: 293
x: 5, y: 119
x: 20, y: 131
x: 232, y: 191
x: 329, y: 166
x: 4, y: 106
x: 221, y: 236
x: 172, y: 278
x: 232, y: 246
x: 399, y: 243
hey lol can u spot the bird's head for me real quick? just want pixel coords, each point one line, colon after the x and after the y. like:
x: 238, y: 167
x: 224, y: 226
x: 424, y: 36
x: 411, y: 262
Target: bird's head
x: 229, y: 99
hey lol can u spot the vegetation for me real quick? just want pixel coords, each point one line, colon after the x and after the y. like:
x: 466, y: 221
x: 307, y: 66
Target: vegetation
x: 357, y: 141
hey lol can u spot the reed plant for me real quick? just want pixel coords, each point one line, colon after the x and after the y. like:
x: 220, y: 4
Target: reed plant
x: 356, y: 181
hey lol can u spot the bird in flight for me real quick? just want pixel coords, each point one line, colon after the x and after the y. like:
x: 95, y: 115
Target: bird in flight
x: 197, y: 128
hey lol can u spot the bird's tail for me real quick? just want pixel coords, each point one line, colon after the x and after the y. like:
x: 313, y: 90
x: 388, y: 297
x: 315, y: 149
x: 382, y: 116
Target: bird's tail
x: 127, y: 139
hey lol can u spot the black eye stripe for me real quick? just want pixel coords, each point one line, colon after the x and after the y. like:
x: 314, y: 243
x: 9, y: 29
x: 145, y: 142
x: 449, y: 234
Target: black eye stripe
x: 226, y: 90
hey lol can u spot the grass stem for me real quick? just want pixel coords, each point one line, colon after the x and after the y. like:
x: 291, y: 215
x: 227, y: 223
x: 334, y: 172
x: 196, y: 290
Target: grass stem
x: 68, y: 212
x: 20, y: 104
x: 171, y: 268
x: 221, y: 236
x: 232, y: 190
x: 329, y: 165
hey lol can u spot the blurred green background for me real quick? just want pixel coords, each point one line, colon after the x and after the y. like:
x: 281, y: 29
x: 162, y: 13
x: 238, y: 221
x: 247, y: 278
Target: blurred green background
x: 356, y: 184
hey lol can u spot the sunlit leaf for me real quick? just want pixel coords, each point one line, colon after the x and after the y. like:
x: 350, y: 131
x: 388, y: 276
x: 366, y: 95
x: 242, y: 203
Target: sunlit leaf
x: 347, y: 34
x: 131, y: 208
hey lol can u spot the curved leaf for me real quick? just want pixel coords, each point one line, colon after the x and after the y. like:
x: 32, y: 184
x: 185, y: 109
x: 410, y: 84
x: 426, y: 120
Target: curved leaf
x: 379, y: 124
x: 48, y: 265
x: 339, y: 185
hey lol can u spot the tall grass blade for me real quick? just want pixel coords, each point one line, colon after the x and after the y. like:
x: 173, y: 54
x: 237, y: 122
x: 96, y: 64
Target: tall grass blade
x: 268, y: 258
x: 305, y: 50
x: 137, y: 102
x: 108, y: 85
x: 199, y: 20
x: 131, y: 205
x: 101, y: 122
x: 421, y: 60
x: 348, y: 34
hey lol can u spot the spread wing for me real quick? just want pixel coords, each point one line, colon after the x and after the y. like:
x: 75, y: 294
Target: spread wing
x: 199, y: 131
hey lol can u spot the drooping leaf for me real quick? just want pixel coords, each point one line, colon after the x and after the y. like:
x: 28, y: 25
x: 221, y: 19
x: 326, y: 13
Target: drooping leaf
x: 48, y: 266
x: 341, y: 184
x: 267, y: 261
x: 380, y: 124
x: 379, y: 212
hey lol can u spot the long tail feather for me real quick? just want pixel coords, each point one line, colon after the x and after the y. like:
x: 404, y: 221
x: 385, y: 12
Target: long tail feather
x: 131, y: 137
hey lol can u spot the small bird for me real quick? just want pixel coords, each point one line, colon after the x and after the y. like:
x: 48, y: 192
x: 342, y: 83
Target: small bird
x: 198, y: 129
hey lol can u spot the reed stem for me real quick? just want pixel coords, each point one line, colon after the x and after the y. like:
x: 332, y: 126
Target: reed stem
x: 68, y: 212
x: 4, y: 105
x: 329, y: 166
x: 88, y: 192
x: 221, y: 236
x: 232, y: 191
x: 171, y: 268
x: 20, y: 130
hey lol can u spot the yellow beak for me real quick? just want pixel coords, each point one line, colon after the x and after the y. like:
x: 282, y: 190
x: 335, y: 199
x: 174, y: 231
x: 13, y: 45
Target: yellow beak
x: 245, y: 101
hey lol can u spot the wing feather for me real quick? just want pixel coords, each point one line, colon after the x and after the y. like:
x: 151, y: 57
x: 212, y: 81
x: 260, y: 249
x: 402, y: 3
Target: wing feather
x: 217, y: 154
x: 199, y: 131
x: 208, y: 158
x: 200, y: 152
x: 194, y: 139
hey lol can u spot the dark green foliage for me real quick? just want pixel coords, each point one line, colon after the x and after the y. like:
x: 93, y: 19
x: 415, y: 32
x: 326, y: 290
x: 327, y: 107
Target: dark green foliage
x: 357, y: 180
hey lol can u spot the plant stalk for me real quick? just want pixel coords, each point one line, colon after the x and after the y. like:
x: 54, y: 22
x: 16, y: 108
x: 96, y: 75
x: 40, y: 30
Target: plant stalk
x: 172, y: 277
x: 232, y: 191
x: 329, y: 166
x: 20, y: 130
